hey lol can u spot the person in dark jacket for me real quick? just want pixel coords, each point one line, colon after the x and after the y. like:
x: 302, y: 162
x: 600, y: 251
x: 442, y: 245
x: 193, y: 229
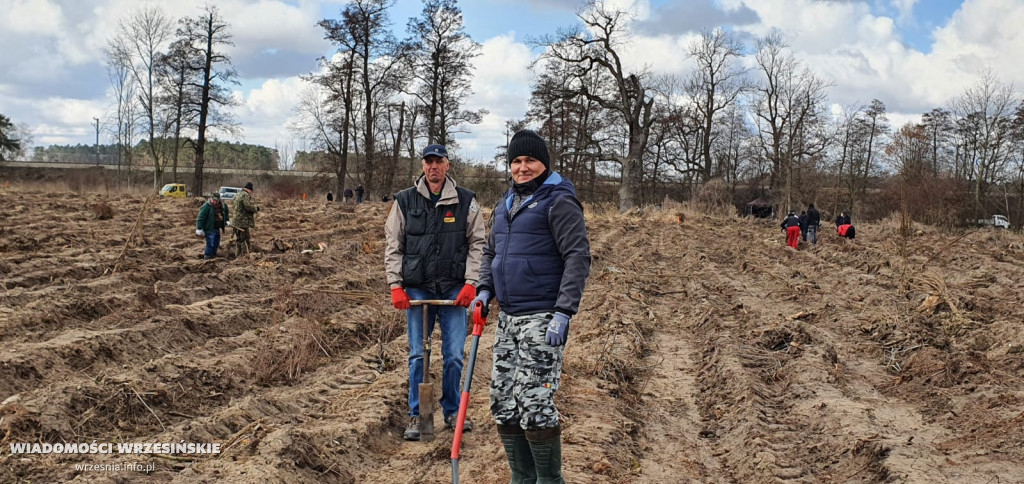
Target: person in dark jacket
x: 348, y: 195
x: 803, y: 225
x: 536, y: 263
x: 813, y: 222
x: 435, y: 239
x: 842, y: 219
x: 359, y: 193
x: 213, y: 217
x: 791, y: 225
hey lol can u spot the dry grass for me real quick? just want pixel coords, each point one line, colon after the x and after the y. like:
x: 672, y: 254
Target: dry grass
x: 938, y: 293
x: 103, y: 211
x: 287, y: 357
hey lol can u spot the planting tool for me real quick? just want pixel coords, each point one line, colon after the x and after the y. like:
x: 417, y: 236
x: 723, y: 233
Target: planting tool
x: 478, y: 329
x: 426, y: 387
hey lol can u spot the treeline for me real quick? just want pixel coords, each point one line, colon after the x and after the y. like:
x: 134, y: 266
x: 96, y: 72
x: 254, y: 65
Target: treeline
x: 754, y: 118
x: 757, y: 120
x: 749, y: 120
x: 219, y: 154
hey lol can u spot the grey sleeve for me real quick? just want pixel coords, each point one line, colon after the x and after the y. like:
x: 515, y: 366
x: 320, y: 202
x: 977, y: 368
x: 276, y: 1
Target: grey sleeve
x: 569, y: 228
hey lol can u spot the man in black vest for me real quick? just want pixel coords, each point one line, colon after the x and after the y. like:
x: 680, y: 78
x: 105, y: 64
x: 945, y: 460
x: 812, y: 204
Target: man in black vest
x: 813, y: 222
x: 435, y: 240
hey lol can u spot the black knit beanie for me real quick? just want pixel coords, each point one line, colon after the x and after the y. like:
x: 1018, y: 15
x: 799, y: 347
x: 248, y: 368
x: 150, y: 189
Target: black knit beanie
x: 528, y: 143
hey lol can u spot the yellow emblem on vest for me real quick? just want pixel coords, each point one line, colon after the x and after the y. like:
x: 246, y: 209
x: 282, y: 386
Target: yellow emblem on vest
x: 449, y: 217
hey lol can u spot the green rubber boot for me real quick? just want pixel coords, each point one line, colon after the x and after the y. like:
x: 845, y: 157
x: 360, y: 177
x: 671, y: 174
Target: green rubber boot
x: 517, y: 449
x: 546, y: 448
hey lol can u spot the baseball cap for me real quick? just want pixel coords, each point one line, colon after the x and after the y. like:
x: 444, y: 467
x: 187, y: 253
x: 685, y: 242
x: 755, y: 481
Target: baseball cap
x: 435, y: 150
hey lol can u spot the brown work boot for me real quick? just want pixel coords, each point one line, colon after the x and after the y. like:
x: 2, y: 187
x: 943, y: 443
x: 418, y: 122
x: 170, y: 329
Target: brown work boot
x: 451, y: 420
x: 412, y: 432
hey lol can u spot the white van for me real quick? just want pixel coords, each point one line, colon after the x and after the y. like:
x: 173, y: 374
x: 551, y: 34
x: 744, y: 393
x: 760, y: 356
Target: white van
x: 228, y: 193
x: 997, y: 221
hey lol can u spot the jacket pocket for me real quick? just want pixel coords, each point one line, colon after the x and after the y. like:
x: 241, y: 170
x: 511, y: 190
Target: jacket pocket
x: 412, y: 271
x: 416, y: 222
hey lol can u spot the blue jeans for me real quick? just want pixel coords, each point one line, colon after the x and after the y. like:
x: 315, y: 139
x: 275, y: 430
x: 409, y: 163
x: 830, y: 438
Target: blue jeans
x: 453, y: 347
x: 212, y: 243
x: 812, y: 232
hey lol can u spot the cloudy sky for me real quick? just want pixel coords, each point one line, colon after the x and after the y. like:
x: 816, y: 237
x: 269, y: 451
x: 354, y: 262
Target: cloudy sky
x: 913, y: 55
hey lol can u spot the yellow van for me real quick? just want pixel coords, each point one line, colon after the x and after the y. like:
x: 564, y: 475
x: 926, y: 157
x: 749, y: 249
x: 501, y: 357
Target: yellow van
x: 174, y: 190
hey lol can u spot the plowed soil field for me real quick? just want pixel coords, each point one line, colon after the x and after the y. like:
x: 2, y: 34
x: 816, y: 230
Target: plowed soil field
x: 705, y: 351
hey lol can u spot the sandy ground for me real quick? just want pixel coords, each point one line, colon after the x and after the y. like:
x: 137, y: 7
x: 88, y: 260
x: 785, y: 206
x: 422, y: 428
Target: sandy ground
x: 704, y: 351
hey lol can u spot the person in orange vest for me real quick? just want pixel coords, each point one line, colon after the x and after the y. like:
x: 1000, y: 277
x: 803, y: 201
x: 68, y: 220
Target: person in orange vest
x: 791, y: 225
x: 847, y: 230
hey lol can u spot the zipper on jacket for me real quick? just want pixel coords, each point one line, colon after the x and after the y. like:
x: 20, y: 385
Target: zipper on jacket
x: 504, y: 255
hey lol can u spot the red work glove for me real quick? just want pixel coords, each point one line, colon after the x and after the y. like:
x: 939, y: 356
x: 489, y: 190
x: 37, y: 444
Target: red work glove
x: 466, y: 295
x: 399, y: 299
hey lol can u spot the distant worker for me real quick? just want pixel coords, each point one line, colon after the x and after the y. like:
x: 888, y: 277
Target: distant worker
x: 435, y: 240
x: 847, y: 230
x: 213, y: 217
x: 842, y: 219
x: 803, y: 225
x: 245, y: 220
x: 348, y: 195
x: 359, y: 194
x: 813, y: 222
x: 330, y: 197
x: 791, y: 225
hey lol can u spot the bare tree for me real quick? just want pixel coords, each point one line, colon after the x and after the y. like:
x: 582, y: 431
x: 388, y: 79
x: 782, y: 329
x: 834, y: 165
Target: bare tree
x: 175, y: 74
x: 938, y: 126
x: 286, y: 154
x: 378, y: 57
x: 596, y: 46
x: 139, y: 41
x: 123, y: 84
x: 441, y: 58
x: 876, y: 125
x: 910, y: 152
x: 330, y: 122
x: 986, y: 112
x: 714, y: 86
x: 205, y: 36
x: 789, y: 98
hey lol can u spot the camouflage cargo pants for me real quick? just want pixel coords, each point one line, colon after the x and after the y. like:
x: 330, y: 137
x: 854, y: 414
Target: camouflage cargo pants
x: 241, y: 241
x: 526, y: 372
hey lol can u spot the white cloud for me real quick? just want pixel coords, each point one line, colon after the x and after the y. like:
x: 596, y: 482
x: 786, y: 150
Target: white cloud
x: 275, y: 98
x: 267, y: 111
x: 501, y: 84
x: 31, y: 16
x: 866, y: 57
x: 62, y: 120
x: 663, y: 54
x: 905, y: 9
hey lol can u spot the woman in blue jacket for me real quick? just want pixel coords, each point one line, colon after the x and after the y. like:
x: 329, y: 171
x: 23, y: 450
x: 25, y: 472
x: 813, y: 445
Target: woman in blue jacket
x: 536, y: 264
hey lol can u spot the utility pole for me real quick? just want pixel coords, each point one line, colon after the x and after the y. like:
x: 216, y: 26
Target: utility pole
x: 97, y: 140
